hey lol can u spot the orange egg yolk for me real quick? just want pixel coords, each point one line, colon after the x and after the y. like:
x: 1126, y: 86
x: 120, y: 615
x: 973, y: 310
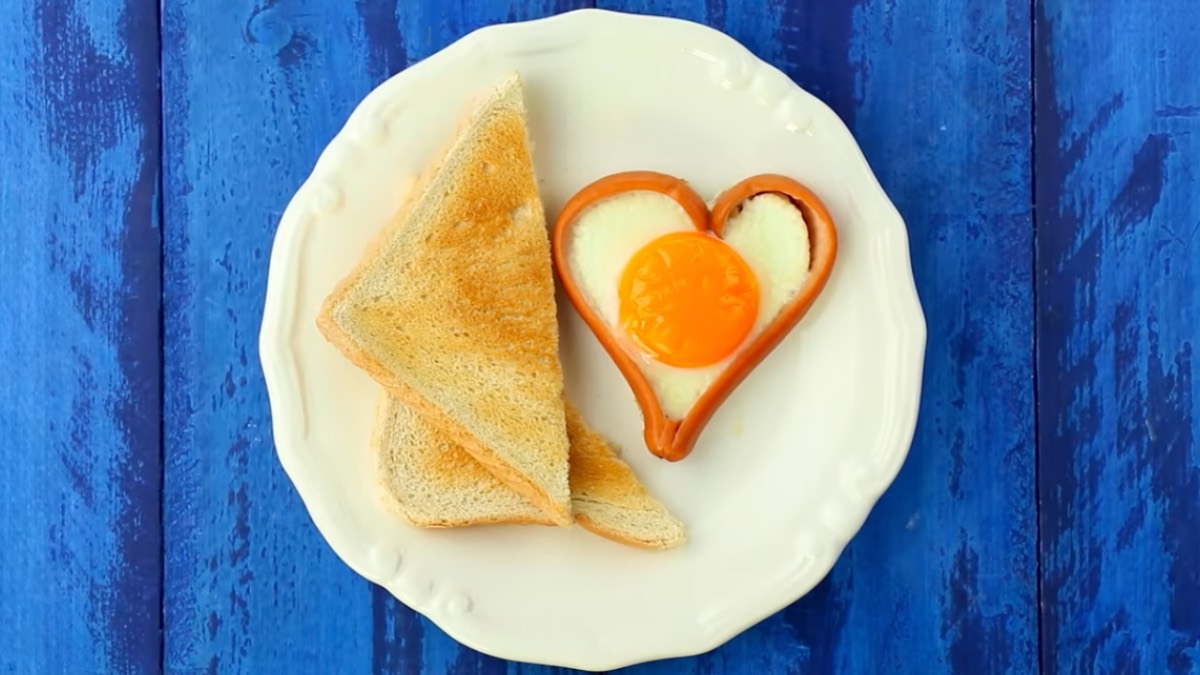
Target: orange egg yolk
x: 688, y: 299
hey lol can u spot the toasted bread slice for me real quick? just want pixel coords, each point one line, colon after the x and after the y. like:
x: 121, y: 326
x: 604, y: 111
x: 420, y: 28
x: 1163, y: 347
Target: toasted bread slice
x: 608, y: 498
x: 432, y: 482
x: 452, y: 308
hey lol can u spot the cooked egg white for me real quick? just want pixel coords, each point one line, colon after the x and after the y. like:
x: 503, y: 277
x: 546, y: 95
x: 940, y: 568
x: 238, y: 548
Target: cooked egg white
x: 769, y: 233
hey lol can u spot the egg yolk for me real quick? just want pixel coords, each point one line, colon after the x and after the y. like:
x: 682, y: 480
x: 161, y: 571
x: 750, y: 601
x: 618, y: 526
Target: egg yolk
x: 688, y: 299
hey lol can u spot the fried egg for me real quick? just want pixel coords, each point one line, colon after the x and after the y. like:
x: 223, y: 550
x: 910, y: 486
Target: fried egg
x: 684, y: 304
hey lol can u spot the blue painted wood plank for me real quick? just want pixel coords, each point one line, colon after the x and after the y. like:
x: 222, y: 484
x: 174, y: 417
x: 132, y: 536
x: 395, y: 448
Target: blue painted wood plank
x: 252, y: 92
x: 1118, y: 146
x: 943, y: 576
x: 79, y: 408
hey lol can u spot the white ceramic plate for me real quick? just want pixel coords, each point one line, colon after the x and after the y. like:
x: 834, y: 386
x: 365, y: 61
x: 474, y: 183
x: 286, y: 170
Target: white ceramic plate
x: 787, y: 469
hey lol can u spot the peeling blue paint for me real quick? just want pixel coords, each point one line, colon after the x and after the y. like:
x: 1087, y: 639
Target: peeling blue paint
x: 1120, y: 468
x: 1142, y: 190
x: 81, y: 572
x: 384, y: 42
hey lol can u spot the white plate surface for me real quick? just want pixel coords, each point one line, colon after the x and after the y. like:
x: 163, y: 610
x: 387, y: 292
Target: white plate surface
x: 787, y: 469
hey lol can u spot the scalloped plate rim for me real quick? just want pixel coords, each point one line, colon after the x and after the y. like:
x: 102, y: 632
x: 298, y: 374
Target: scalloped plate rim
x: 277, y: 357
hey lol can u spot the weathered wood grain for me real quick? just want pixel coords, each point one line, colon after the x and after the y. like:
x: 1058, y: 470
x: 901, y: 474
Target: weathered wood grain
x: 1118, y: 213
x: 943, y: 576
x: 79, y: 338
x: 252, y: 93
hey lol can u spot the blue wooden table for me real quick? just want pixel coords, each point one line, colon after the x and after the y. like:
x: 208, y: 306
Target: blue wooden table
x: 1046, y: 157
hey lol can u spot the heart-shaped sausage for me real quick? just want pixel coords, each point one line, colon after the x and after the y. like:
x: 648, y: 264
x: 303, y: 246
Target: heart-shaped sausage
x: 670, y: 438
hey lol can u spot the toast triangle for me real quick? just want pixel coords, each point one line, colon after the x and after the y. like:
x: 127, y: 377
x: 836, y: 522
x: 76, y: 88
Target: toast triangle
x: 607, y: 496
x: 452, y: 307
x: 430, y: 481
